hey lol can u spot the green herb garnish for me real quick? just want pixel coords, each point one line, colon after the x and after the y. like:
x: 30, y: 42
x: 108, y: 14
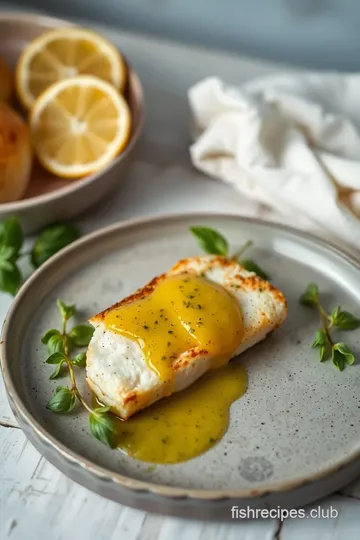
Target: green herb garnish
x: 50, y: 241
x: 60, y: 344
x: 340, y: 353
x: 251, y: 266
x: 212, y: 242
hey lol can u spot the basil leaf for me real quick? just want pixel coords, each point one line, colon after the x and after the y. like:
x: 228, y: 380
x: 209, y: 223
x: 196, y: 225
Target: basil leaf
x: 51, y: 240
x: 56, y: 344
x: 344, y: 320
x: 55, y: 358
x: 6, y: 265
x: 344, y: 350
x: 55, y: 374
x: 66, y: 311
x: 7, y: 253
x: 210, y: 240
x: 10, y: 278
x: 311, y: 296
x: 103, y: 428
x: 80, y: 360
x: 11, y: 234
x: 49, y: 334
x: 63, y: 401
x: 81, y: 334
x: 251, y: 266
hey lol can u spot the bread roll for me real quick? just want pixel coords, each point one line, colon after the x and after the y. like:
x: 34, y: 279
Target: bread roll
x: 15, y: 155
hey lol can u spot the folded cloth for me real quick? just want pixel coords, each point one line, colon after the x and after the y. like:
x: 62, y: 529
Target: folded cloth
x: 290, y: 141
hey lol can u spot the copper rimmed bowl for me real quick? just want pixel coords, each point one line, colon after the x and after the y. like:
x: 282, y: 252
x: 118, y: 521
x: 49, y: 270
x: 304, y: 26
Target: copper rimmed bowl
x: 50, y: 198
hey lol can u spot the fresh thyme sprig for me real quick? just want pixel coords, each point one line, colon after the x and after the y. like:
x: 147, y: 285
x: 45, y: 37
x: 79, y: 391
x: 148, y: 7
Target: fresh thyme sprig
x: 50, y: 240
x: 214, y: 243
x: 61, y: 344
x: 338, y: 319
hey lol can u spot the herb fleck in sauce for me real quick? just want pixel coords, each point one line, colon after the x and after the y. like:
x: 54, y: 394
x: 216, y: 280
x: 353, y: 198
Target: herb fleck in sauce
x: 173, y: 309
x: 200, y: 414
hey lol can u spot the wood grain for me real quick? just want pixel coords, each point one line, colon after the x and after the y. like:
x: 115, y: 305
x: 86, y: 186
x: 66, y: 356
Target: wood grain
x: 39, y: 502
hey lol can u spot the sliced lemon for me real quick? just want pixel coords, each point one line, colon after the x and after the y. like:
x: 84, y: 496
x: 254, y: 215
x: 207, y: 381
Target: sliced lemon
x: 79, y: 125
x: 66, y: 53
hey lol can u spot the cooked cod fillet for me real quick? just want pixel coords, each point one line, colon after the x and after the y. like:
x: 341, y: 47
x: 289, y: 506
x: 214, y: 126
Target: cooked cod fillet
x: 116, y: 368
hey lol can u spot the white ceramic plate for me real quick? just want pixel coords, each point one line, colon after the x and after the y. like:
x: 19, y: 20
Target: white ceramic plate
x: 295, y: 435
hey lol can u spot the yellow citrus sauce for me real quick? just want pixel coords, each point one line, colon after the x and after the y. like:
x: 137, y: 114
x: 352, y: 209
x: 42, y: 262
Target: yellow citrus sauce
x: 184, y: 311
x: 188, y: 423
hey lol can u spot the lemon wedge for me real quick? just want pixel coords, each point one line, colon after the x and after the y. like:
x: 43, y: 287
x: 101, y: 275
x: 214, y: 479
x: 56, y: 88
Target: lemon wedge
x: 66, y: 53
x: 79, y: 125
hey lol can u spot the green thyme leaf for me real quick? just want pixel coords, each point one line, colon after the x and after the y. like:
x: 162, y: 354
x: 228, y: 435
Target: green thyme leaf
x: 56, y: 358
x: 67, y: 311
x: 80, y: 360
x: 56, y: 344
x: 323, y: 352
x: 338, y: 359
x: 55, y: 374
x: 344, y: 320
x: 10, y: 277
x: 63, y: 401
x: 311, y: 296
x: 11, y: 234
x: 81, y: 334
x: 103, y: 428
x: 320, y: 338
x: 343, y: 350
x: 210, y: 240
x: 49, y: 334
x: 251, y: 266
x: 321, y: 342
x: 102, y: 410
x: 51, y: 240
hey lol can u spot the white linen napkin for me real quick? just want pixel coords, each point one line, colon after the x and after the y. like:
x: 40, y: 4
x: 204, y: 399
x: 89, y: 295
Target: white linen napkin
x: 289, y: 141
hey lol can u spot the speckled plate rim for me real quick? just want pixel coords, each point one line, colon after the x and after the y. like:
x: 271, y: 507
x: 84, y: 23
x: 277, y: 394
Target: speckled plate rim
x: 15, y: 206
x: 76, y: 460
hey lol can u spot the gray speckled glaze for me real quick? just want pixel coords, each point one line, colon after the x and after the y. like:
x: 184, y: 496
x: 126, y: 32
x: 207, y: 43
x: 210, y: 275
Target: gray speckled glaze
x: 293, y: 437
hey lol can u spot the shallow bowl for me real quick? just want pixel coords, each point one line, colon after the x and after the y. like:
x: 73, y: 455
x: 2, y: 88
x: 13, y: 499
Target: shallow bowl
x: 50, y: 198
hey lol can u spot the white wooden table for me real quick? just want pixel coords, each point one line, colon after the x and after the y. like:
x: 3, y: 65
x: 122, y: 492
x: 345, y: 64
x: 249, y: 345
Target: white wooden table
x: 36, y: 501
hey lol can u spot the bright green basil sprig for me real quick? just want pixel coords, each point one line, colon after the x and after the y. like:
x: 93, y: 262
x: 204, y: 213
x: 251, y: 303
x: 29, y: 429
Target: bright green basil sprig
x: 214, y: 243
x: 50, y: 241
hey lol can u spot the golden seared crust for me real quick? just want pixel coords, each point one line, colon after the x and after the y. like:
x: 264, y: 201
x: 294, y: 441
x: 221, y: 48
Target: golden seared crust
x: 140, y: 294
x: 134, y: 400
x: 183, y: 264
x: 250, y: 282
